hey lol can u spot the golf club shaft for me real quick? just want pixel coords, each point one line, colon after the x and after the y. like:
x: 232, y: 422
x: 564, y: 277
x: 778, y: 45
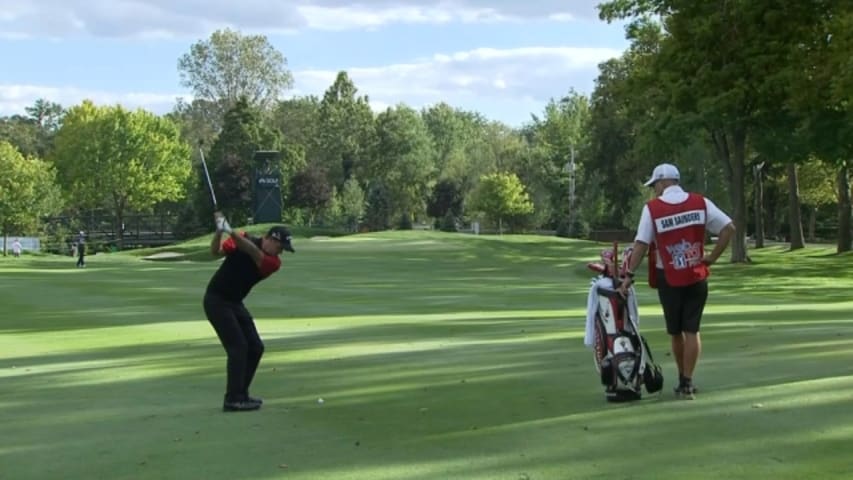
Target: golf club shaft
x: 207, y: 177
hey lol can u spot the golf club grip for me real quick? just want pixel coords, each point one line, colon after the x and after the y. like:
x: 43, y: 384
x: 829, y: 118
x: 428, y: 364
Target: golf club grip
x: 207, y: 177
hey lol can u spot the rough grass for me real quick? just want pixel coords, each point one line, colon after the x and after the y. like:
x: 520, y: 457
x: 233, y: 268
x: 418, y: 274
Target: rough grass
x: 439, y: 356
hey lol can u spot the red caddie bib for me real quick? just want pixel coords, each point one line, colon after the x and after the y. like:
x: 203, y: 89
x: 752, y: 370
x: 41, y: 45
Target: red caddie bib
x: 680, y: 239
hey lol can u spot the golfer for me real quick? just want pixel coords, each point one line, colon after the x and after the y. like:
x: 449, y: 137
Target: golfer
x: 248, y: 260
x: 672, y: 229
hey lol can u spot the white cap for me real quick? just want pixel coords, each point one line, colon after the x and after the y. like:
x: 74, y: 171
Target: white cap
x: 664, y: 171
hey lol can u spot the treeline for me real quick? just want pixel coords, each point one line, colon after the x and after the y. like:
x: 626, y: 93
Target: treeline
x: 750, y: 99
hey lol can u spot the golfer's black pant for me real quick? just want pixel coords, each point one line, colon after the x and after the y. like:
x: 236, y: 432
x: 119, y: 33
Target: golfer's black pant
x: 236, y: 330
x: 81, y: 255
x: 682, y: 306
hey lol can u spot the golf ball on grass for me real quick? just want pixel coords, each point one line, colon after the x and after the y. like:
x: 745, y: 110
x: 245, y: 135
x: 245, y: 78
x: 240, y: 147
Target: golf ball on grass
x: 320, y: 400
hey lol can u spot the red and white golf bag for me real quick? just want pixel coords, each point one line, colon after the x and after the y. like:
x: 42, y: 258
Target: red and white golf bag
x: 622, y: 356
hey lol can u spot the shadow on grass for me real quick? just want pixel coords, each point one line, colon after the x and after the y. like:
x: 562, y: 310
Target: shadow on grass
x: 473, y: 400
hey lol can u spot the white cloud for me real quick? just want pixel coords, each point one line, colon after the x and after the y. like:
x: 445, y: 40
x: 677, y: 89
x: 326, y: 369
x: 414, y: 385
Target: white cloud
x: 504, y: 85
x: 147, y: 18
x: 476, y: 79
x: 15, y: 98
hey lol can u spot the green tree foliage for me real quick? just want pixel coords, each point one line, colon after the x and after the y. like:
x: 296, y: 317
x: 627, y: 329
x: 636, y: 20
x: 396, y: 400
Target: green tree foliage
x: 557, y: 137
x: 611, y: 165
x: 377, y: 216
x: 816, y: 186
x: 501, y: 196
x: 310, y: 190
x: 28, y: 191
x: 232, y: 161
x: 346, y: 130
x: 718, y: 67
x: 109, y: 157
x: 403, y: 159
x: 446, y: 200
x: 451, y: 131
x: 819, y: 91
x: 200, y: 121
x: 298, y: 120
x: 229, y: 66
x: 47, y: 115
x: 352, y: 204
x: 21, y: 132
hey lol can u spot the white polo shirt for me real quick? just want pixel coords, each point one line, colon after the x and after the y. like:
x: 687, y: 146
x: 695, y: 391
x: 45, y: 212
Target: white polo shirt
x: 715, y: 219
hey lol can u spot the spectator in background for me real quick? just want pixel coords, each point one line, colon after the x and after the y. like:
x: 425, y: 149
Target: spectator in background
x: 81, y: 250
x: 16, y: 248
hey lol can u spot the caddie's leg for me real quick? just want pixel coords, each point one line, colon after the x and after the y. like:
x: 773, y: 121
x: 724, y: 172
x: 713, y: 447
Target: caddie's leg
x: 678, y: 353
x: 691, y: 349
x: 672, y: 303
x: 694, y: 305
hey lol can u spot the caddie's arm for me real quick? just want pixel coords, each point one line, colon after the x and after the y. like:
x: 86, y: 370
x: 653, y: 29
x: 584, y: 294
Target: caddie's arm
x: 248, y: 247
x: 723, y: 239
x: 640, y: 249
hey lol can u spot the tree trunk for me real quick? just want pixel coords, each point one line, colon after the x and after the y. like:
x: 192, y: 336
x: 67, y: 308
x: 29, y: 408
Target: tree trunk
x: 5, y: 238
x: 758, y: 170
x: 120, y: 203
x: 795, y: 217
x: 730, y: 149
x: 812, y: 224
x: 845, y: 236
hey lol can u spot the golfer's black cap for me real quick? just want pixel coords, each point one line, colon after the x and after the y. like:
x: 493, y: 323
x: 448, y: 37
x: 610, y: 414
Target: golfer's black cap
x: 282, y: 234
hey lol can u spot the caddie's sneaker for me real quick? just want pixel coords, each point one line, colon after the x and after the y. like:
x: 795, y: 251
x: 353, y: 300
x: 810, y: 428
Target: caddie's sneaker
x: 240, y: 406
x: 686, y: 392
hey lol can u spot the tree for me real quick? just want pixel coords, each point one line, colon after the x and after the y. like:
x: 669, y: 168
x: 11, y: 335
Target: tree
x: 119, y: 159
x: 200, y: 121
x: 377, y: 216
x: 558, y: 138
x: 821, y: 92
x: 47, y: 114
x: 499, y: 196
x: 719, y: 66
x: 23, y: 133
x: 309, y: 189
x: 346, y: 130
x: 610, y: 165
x: 815, y: 186
x: 231, y: 161
x: 298, y: 121
x: 402, y: 159
x: 229, y: 66
x: 352, y: 204
x: 28, y: 191
x: 446, y: 200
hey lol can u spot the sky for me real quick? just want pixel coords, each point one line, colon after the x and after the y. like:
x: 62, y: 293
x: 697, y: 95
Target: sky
x: 503, y: 58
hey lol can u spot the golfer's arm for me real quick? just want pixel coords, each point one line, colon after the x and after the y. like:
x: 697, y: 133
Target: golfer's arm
x: 216, y: 244
x: 723, y: 240
x: 246, y: 246
x: 640, y: 249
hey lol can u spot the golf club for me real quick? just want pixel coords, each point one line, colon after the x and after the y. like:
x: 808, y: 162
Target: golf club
x: 207, y: 177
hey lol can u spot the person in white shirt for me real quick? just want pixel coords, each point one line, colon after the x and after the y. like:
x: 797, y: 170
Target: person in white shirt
x: 16, y: 248
x: 672, y: 229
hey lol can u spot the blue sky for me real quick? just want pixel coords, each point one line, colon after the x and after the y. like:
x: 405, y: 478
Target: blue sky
x: 504, y: 59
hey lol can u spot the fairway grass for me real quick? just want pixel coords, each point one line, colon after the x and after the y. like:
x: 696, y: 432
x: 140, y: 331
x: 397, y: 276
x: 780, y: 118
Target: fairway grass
x: 438, y: 356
